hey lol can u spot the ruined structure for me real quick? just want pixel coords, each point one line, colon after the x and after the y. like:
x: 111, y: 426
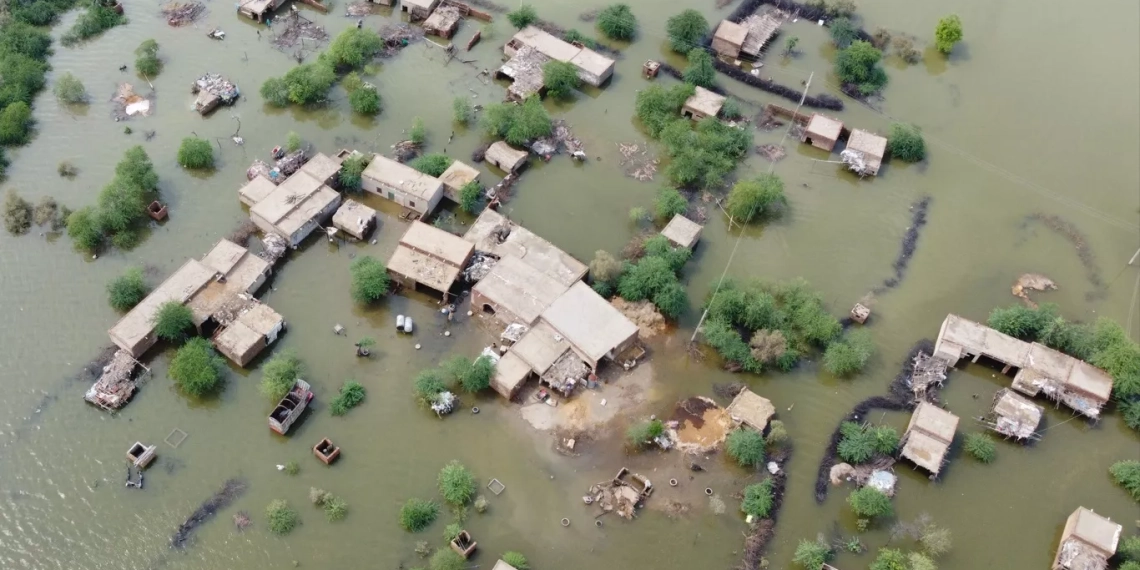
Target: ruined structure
x: 430, y: 257
x: 354, y: 219
x: 593, y: 68
x: 864, y: 153
x: 751, y: 410
x: 1087, y: 542
x: 1013, y: 415
x: 928, y: 436
x: 456, y: 177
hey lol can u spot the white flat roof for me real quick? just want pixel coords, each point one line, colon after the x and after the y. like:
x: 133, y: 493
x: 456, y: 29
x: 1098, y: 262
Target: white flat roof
x: 407, y: 179
x: 519, y: 288
x: 588, y: 321
x: 308, y: 209
x: 439, y: 243
x: 525, y: 245
x: 549, y: 45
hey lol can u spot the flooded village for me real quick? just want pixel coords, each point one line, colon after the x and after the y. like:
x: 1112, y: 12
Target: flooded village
x: 447, y: 284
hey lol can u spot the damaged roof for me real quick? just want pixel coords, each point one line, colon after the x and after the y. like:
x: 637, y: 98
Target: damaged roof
x: 525, y: 245
x: 751, y: 410
x: 682, y: 231
x: 705, y: 102
x: 423, y: 268
x: 540, y: 347
x: 929, y: 435
x: 138, y: 324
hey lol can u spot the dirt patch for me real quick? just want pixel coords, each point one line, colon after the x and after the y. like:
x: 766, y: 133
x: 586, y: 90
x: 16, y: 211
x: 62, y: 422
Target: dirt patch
x: 621, y: 393
x: 699, y: 424
x: 1031, y: 282
x: 644, y: 314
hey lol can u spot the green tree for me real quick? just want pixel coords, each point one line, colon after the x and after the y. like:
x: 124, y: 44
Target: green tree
x: 173, y: 321
x: 418, y: 514
x: 523, y: 16
x: 746, y: 446
x: 756, y: 199
x: 428, y: 384
x: 446, y: 559
x: 365, y: 101
x: 369, y: 279
x: 433, y: 164
x: 282, y: 518
x: 146, y: 60
x: 869, y: 502
x: 351, y: 170
x: 418, y: 133
x: 576, y: 37
x: 890, y: 559
x: 731, y: 109
x: 69, y: 89
x: 685, y: 30
x: 1127, y: 475
x: 812, y: 554
x: 604, y: 272
x: 858, y: 65
x: 948, y: 33
x: 462, y: 111
x: 617, y: 22
x: 790, y: 45
x: 469, y: 196
x: 758, y: 499
x: 351, y: 395
x: 275, y: 91
x: 196, y: 153
x: 1129, y: 548
x: 560, y: 78
x: 94, y: 21
x: 670, y: 202
x: 197, y: 368
x: 84, y: 229
x: 700, y: 70
x: 456, y: 484
x: 477, y: 377
x: 658, y: 107
x: 353, y: 48
x: 280, y: 373
x: 292, y: 142
x: 15, y: 124
x: 981, y: 447
x: 126, y: 290
x: 517, y: 124
x: 848, y: 356
x: 906, y: 143
x: 516, y: 559
x: 843, y: 32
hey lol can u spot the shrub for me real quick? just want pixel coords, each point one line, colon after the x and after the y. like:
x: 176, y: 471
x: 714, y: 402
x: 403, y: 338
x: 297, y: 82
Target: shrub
x: 94, y: 21
x: 841, y: 8
x: 369, y: 279
x: 574, y: 36
x: 365, y: 100
x: 1018, y: 321
x: 282, y: 518
x: 418, y: 133
x: 451, y: 531
x: 432, y: 164
x: 446, y: 559
x: 196, y: 153
x: 127, y: 290
x: 869, y: 502
x: 522, y: 17
x: 469, y: 196
x: 351, y: 395
x: 196, y: 367
x: 84, y: 229
x: 173, y: 321
x: 1129, y: 548
x: 905, y: 143
x: 305, y: 84
x: 279, y: 374
x: 17, y: 213
x: 418, y: 514
x: 1131, y: 412
x: 456, y: 484
x: 731, y: 109
x: 560, y: 78
x: 292, y: 142
x: 47, y: 212
x: 981, y: 447
x: 617, y: 22
x: 685, y: 30
x: 462, y: 111
x: 292, y: 468
x: 516, y: 559
x: 746, y: 446
x: 67, y: 170
x: 790, y: 45
x: 351, y: 170
x: 645, y: 432
x: 700, y: 70
x: 856, y: 443
x: 15, y: 124
x: 336, y: 508
x: 704, y: 155
x: 935, y: 540
x: 886, y: 439
x: 478, y: 376
x: 637, y: 214
x: 428, y: 385
x: 948, y: 33
x: 1130, y: 565
x: 654, y: 278
x: 890, y: 559
x: 849, y: 355
x: 517, y: 124
x: 843, y: 32
x: 758, y: 499
x: 147, y: 62
x: 69, y: 89
x: 481, y: 504
x: 275, y: 91
x: 777, y: 433
x: 858, y: 65
x: 1127, y: 475
x: 24, y: 39
x: 812, y: 554
x: 755, y: 199
x: 658, y: 107
x: 319, y: 496
x: 353, y: 48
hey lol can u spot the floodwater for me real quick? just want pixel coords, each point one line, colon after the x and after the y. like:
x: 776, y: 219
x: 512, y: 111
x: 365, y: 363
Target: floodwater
x: 1023, y: 119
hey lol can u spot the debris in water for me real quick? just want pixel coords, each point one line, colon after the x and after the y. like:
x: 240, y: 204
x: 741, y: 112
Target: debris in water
x: 180, y: 14
x: 399, y: 36
x: 230, y: 491
x: 241, y: 520
x: 1033, y: 281
x: 1080, y: 243
x: 294, y: 29
x: 637, y: 162
x: 357, y: 9
x: 128, y: 103
x: 772, y: 152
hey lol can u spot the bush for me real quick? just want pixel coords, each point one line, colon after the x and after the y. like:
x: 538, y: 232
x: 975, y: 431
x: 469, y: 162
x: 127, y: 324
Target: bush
x: 173, y: 321
x: 777, y: 433
x: 1127, y: 475
x: 905, y: 143
x: 1131, y: 412
x: 418, y: 133
x: 685, y: 30
x: 574, y: 36
x: 746, y: 446
x: 812, y: 554
x: 94, y: 21
x: 935, y: 540
x: 369, y: 279
x: 432, y: 164
x: 456, y: 484
x: 478, y: 376
x: 658, y: 107
x: 617, y: 22
x: 981, y: 447
x: 292, y: 142
x: 319, y: 496
x: 353, y: 48
x: 560, y: 78
x: 848, y: 356
x: 859, y: 443
x: 517, y: 124
x: 196, y: 153
x: 451, y: 531
x: 637, y: 214
x: 84, y: 229
x: 447, y: 559
x: 758, y: 499
x: 843, y: 32
x: 197, y: 368
x: 469, y: 196
x: 418, y: 514
x: 15, y: 124
x: 1129, y: 548
x: 704, y: 155
x: 516, y: 559
x: 365, y: 100
x: 67, y: 170
x: 869, y: 502
x: 670, y: 202
x: 147, y: 62
x: 948, y: 33
x: 755, y: 199
x: 841, y: 8
x: 292, y: 468
x: 336, y: 508
x: 127, y: 290
x: 17, y: 213
x: 644, y: 433
x: 700, y: 70
x: 279, y: 374
x: 731, y: 109
x: 522, y: 17
x: 1130, y: 565
x: 890, y: 559
x: 858, y: 65
x: 428, y: 385
x: 69, y: 89
x: 305, y: 84
x: 351, y: 395
x: 655, y: 279
x: 481, y: 504
x: 282, y: 518
x: 47, y: 212
x: 462, y: 111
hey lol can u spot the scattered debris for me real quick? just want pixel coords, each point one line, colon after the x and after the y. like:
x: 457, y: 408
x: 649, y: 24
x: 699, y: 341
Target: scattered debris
x: 294, y: 29
x: 242, y: 520
x: 929, y: 372
x: 290, y: 407
x: 1033, y: 281
x: 405, y: 151
x: 357, y: 9
x: 128, y: 103
x: 258, y: 168
x: 622, y: 494
x: 212, y: 90
x: 230, y: 491
x: 399, y: 36
x: 444, y: 403
x: 1013, y: 415
x: 650, y: 322
x: 115, y: 386
x: 216, y: 34
x: 637, y: 162
x: 288, y: 164
x: 179, y: 14
x: 772, y: 152
x: 274, y: 247
x: 478, y: 268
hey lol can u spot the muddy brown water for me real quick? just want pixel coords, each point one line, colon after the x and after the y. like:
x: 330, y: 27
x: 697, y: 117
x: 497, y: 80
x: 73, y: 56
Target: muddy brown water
x: 1021, y: 121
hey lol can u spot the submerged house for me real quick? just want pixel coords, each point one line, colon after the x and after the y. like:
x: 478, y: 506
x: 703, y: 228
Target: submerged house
x: 822, y: 132
x: 702, y: 104
x: 258, y: 9
x: 928, y: 436
x: 295, y: 208
x: 682, y: 232
x: 729, y: 39
x: 354, y: 219
x: 443, y: 21
x: 402, y: 184
x: 457, y: 176
x: 524, y: 69
x: 430, y: 257
x: 761, y: 30
x: 751, y: 410
x: 593, y: 67
x: 255, y: 327
x: 506, y: 157
x: 590, y: 324
x: 239, y: 272
x: 1014, y: 415
x: 418, y: 9
x: 1087, y: 542
x: 865, y: 152
x: 493, y: 233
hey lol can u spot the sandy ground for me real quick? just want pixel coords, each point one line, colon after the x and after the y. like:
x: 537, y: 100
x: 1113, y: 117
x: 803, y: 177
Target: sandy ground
x: 624, y: 393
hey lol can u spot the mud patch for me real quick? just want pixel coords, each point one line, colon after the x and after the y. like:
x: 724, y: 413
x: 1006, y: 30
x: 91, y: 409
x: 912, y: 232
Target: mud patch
x: 619, y: 395
x: 699, y: 425
x: 1031, y: 282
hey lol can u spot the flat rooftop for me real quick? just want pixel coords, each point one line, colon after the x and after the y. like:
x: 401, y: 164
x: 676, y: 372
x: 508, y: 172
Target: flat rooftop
x: 424, y: 269
x: 505, y: 156
x: 588, y: 321
x: 540, y: 347
x: 286, y: 197
x: 257, y: 189
x: 870, y: 144
x: 525, y: 245
x: 322, y: 167
x: 929, y: 435
x: 242, y: 270
x: 138, y: 323
x: 308, y: 209
x: 433, y: 241
x: 682, y: 231
x: 751, y: 410
x: 731, y: 32
x: 510, y: 373
x: 403, y: 177
x: 824, y: 126
x: 458, y: 175
x: 706, y: 102
x: 519, y: 288
x: 550, y: 46
x: 354, y: 217
x: 1095, y: 530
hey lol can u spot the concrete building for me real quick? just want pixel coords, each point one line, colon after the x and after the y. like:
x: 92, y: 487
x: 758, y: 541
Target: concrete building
x: 540, y: 347
x: 500, y: 565
x: 822, y: 132
x: 418, y: 9
x: 1014, y: 415
x: 702, y: 104
x: 258, y: 9
x: 456, y: 177
x: 495, y: 234
x: 515, y: 292
x: 134, y: 332
x: 871, y: 148
x: 751, y: 410
x: 524, y: 69
x: 254, y: 329
x: 354, y: 219
x: 430, y: 257
x: 324, y: 168
x: 443, y: 21
x: 592, y: 326
x: 593, y: 68
x: 729, y: 39
x: 928, y: 436
x: 682, y: 232
x: 240, y: 273
x: 1087, y: 542
x: 511, y: 374
x: 295, y: 208
x: 256, y: 190
x: 505, y: 157
x: 402, y: 184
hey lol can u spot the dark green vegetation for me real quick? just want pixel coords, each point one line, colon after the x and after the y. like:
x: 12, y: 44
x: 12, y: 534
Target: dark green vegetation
x: 16, y: 124
x: 120, y: 211
x: 197, y: 368
x: 1127, y: 475
x: 418, y: 133
x: 981, y: 447
x: 446, y: 559
x: 282, y: 518
x: 869, y: 502
x: 418, y: 514
x: 574, y: 36
x: 351, y: 395
x: 643, y: 433
x: 173, y: 322
x: 472, y: 375
x: 561, y: 79
x: 351, y: 170
x: 365, y: 99
x: 1104, y: 344
x: 731, y: 109
x: 948, y: 33
x: 685, y: 30
x: 516, y: 559
x: 746, y: 446
x: 429, y: 384
x: 859, y: 443
x: 1129, y: 548
x: 654, y: 277
x: 196, y: 153
x: 843, y: 32
x: 658, y: 107
x: 68, y: 89
x: 617, y: 22
x: 670, y: 203
x: 700, y: 70
x: 523, y: 16
x: 279, y: 374
x: 309, y: 83
x: 24, y: 51
x: 462, y: 111
x: 758, y: 499
x: 126, y: 290
x: 432, y: 164
x: 756, y: 199
x: 469, y: 196
x: 146, y: 60
x: 782, y: 321
x: 353, y: 48
x: 456, y: 484
x: 97, y: 19
x: 517, y: 124
x: 848, y: 355
x: 293, y: 142
x: 858, y: 67
x: 812, y: 554
x: 17, y: 213
x: 906, y: 142
x: 370, y: 279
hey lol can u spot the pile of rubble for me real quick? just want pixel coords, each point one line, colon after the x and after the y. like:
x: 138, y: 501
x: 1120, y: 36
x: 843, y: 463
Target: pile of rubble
x: 357, y: 9
x: 296, y: 29
x: 291, y: 163
x: 623, y: 494
x: 399, y: 36
x: 480, y: 265
x: 637, y: 163
x: 128, y: 103
x: 258, y: 168
x: 217, y: 85
x: 114, y: 387
x: 561, y: 138
x: 274, y: 247
x: 179, y: 14
x: 772, y: 152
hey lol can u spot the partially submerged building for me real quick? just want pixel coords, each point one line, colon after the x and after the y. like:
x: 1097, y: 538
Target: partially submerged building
x: 295, y: 208
x: 592, y: 326
x: 500, y: 565
x: 524, y: 69
x: 1014, y: 415
x: 256, y: 190
x: 456, y: 177
x: 761, y: 30
x: 418, y: 9
x: 354, y: 219
x: 682, y: 231
x: 729, y: 39
x: 751, y: 410
x: 239, y: 273
x: 493, y: 233
x: 116, y: 384
x: 255, y: 328
x: 1087, y: 542
x: 443, y: 21
x: 134, y: 333
x: 510, y: 375
x: 702, y: 104
x: 402, y: 184
x: 258, y: 9
x: 928, y: 436
x: 822, y: 132
x: 506, y: 157
x: 515, y: 292
x: 213, y: 90
x: 864, y: 153
x: 430, y: 257
x: 593, y: 68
